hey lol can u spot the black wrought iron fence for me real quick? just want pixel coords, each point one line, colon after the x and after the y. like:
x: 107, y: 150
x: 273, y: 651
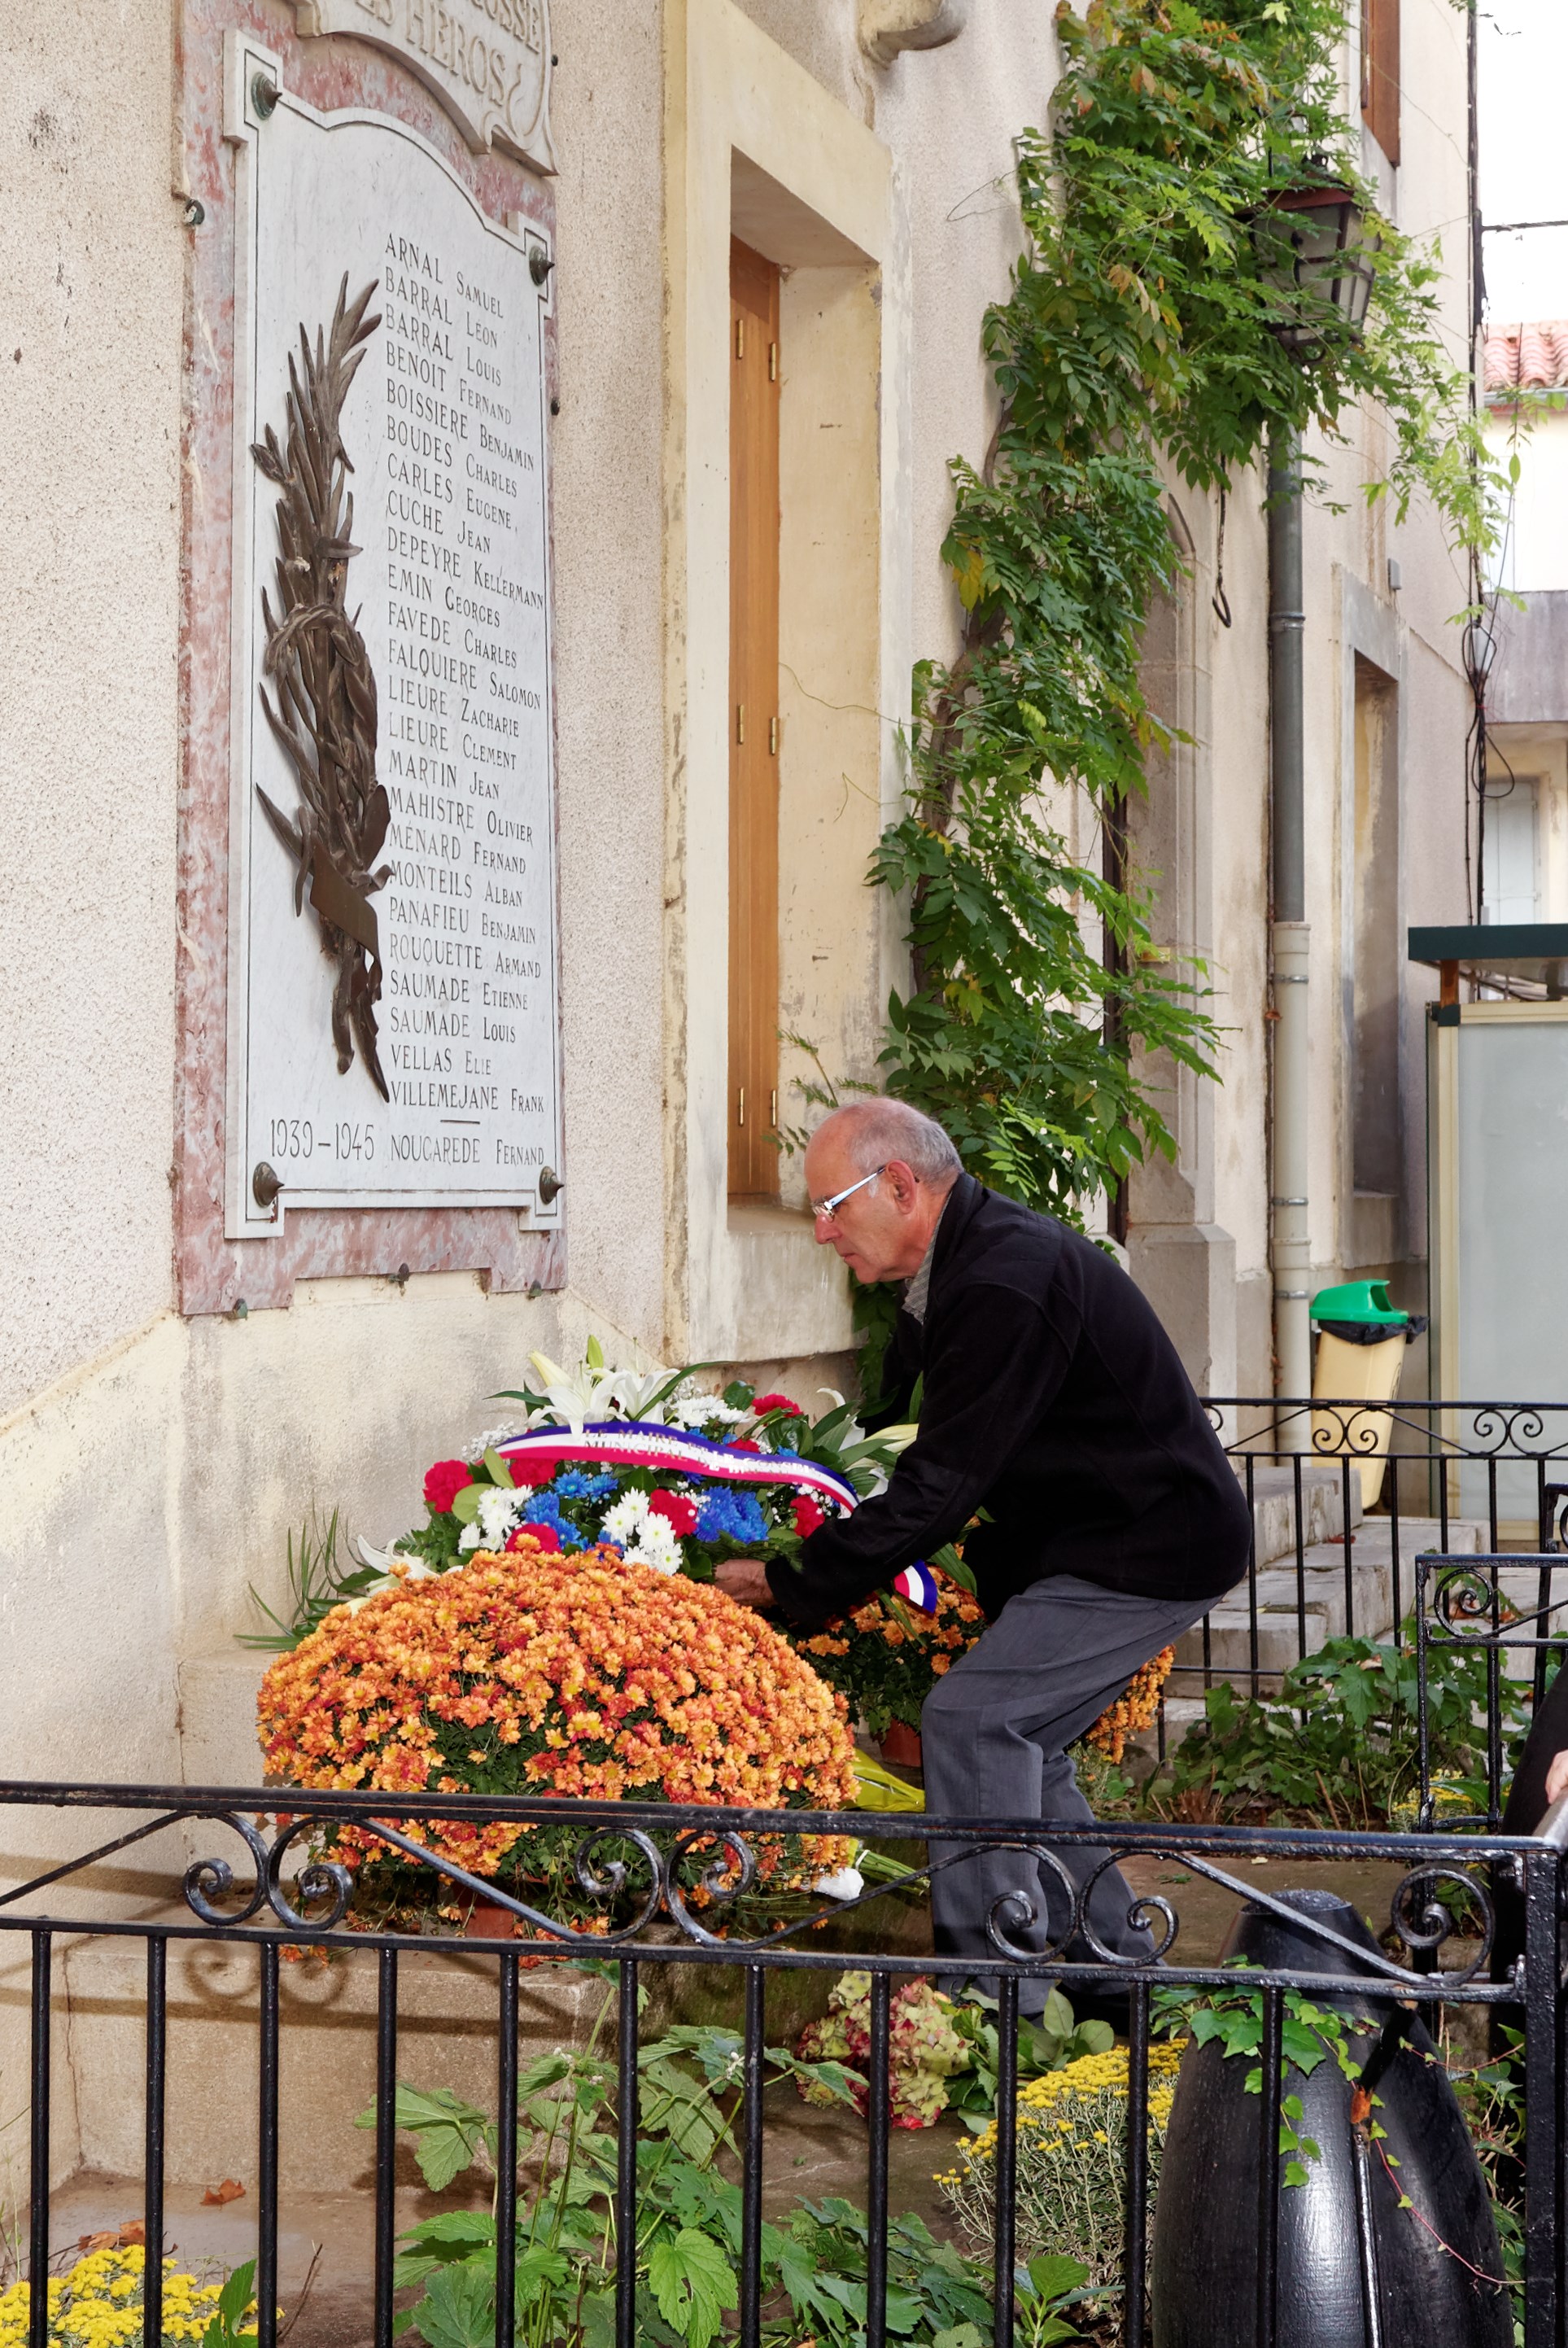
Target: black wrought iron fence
x: 1360, y: 2233
x: 1344, y: 1494
x: 1506, y: 1608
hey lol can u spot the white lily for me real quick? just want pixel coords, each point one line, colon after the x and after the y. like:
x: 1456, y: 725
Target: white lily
x: 593, y: 1392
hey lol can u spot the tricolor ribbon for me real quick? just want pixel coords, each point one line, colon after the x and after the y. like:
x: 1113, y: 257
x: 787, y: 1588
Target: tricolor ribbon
x: 917, y: 1583
x: 640, y: 1443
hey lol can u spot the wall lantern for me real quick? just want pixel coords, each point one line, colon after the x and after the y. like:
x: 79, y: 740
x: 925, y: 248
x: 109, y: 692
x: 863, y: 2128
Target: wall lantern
x: 1315, y: 247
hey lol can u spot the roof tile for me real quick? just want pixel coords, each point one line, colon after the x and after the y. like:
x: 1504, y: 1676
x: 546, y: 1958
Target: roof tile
x: 1528, y: 358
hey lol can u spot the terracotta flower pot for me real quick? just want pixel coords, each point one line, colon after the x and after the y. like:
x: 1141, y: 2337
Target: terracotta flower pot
x: 490, y: 1921
x: 901, y: 1745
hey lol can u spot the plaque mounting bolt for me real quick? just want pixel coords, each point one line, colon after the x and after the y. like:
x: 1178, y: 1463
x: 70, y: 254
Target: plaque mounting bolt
x: 550, y: 1186
x: 264, y: 96
x: 266, y: 1187
x: 540, y: 263
x: 195, y: 211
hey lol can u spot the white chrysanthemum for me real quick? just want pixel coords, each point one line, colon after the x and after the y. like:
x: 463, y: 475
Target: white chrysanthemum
x: 644, y: 1537
x: 498, y: 1513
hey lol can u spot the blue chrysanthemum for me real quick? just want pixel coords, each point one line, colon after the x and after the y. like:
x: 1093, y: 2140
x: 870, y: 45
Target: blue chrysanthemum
x: 578, y: 1484
x: 734, y: 1515
x: 544, y: 1509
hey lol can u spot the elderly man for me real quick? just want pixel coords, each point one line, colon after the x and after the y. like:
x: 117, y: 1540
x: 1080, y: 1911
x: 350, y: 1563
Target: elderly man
x: 1056, y: 1411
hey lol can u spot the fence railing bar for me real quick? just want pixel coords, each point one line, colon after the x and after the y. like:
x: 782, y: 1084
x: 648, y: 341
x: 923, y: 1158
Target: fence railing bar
x: 1367, y: 2239
x: 1006, y: 2162
x: 38, y: 2182
x: 1268, y: 2165
x: 87, y: 1858
x: 626, y: 2160
x: 1441, y: 1474
x: 752, y: 2156
x: 507, y: 2158
x: 1252, y: 1649
x: 1395, y: 1591
x: 1494, y: 1714
x: 877, y: 2121
x: 1300, y: 1560
x: 1542, y: 2099
x: 1136, y: 2255
x: 1348, y: 1536
x: 267, y: 2156
x: 385, y: 2141
x: 153, y: 2143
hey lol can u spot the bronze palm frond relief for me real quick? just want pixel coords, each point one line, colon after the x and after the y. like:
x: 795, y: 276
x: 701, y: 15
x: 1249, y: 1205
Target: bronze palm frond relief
x: 324, y: 718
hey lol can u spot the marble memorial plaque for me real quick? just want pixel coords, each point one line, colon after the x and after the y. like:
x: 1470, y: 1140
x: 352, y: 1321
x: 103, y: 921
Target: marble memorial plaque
x: 487, y: 61
x: 393, y: 997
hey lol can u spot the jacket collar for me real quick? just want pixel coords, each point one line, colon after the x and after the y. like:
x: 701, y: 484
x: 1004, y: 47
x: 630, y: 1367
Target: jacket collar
x: 962, y: 1204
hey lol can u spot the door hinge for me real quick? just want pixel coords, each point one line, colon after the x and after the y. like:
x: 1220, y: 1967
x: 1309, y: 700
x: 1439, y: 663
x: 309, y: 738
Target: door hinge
x: 773, y: 1109
x: 773, y: 363
x: 773, y: 735
x: 740, y: 338
x: 741, y: 724
x: 741, y: 1106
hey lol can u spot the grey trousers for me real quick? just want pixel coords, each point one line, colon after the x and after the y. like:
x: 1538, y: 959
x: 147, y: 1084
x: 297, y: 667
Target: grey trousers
x: 994, y: 1733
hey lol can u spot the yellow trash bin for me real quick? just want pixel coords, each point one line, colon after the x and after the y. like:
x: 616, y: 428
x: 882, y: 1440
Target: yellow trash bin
x: 1361, y: 1341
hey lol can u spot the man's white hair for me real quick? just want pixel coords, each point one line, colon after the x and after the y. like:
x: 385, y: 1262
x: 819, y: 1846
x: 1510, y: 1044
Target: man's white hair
x: 873, y: 1131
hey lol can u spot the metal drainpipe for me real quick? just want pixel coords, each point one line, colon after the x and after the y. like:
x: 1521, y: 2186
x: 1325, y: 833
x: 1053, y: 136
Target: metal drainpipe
x: 1290, y: 1244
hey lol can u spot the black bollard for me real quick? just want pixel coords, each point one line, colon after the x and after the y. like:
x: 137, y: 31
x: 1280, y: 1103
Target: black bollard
x: 1426, y: 2271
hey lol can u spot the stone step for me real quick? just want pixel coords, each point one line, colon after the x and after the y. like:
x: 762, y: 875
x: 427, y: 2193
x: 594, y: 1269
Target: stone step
x: 1291, y: 1623
x: 1322, y: 1502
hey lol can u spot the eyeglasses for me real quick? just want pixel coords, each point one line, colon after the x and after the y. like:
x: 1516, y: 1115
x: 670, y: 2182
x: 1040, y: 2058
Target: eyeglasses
x: 825, y: 1211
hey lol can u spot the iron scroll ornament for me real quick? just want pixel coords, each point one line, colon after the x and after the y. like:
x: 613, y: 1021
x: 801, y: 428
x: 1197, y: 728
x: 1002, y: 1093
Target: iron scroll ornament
x: 326, y: 715
x: 717, y: 1863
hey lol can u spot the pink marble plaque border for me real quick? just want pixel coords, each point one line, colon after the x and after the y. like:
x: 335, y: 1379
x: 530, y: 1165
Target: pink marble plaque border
x: 213, y: 1273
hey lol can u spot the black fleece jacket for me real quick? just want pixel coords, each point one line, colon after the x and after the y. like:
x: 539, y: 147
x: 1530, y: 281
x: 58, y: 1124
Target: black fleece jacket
x: 1054, y: 1401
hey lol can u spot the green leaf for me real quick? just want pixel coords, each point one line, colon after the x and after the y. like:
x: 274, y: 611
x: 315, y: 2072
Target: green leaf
x: 693, y: 2284
x: 236, y: 2294
x: 449, y: 2134
x: 470, y: 2229
x: 1053, y: 2274
x: 540, y: 2270
x: 458, y: 2309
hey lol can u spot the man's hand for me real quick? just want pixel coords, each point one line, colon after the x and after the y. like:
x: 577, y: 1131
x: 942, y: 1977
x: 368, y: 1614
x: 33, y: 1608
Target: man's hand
x: 741, y: 1578
x: 1557, y: 1777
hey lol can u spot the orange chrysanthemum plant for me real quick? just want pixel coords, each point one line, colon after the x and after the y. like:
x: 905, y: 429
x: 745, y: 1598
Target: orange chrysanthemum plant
x: 581, y: 1676
x: 1136, y: 1709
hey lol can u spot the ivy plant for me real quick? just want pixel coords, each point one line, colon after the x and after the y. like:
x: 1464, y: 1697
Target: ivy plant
x: 1138, y: 345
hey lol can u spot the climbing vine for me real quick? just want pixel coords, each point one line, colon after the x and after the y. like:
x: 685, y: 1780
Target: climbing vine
x: 1138, y: 340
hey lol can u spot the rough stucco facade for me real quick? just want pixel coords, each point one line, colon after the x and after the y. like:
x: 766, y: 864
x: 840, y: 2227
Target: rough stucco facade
x: 152, y: 1461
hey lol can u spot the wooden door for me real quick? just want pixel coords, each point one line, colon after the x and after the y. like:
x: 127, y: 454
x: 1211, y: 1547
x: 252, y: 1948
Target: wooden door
x: 754, y: 377
x: 1380, y: 73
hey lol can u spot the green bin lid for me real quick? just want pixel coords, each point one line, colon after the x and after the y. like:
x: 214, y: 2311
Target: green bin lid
x: 1362, y: 1301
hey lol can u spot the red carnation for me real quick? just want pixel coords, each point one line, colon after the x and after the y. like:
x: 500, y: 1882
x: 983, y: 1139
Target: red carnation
x: 744, y: 1446
x: 678, y: 1511
x: 527, y: 1468
x: 765, y: 1403
x: 445, y: 1481
x: 545, y: 1536
x: 807, y: 1514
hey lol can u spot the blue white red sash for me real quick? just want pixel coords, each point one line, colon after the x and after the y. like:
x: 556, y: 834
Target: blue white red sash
x: 640, y: 1443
